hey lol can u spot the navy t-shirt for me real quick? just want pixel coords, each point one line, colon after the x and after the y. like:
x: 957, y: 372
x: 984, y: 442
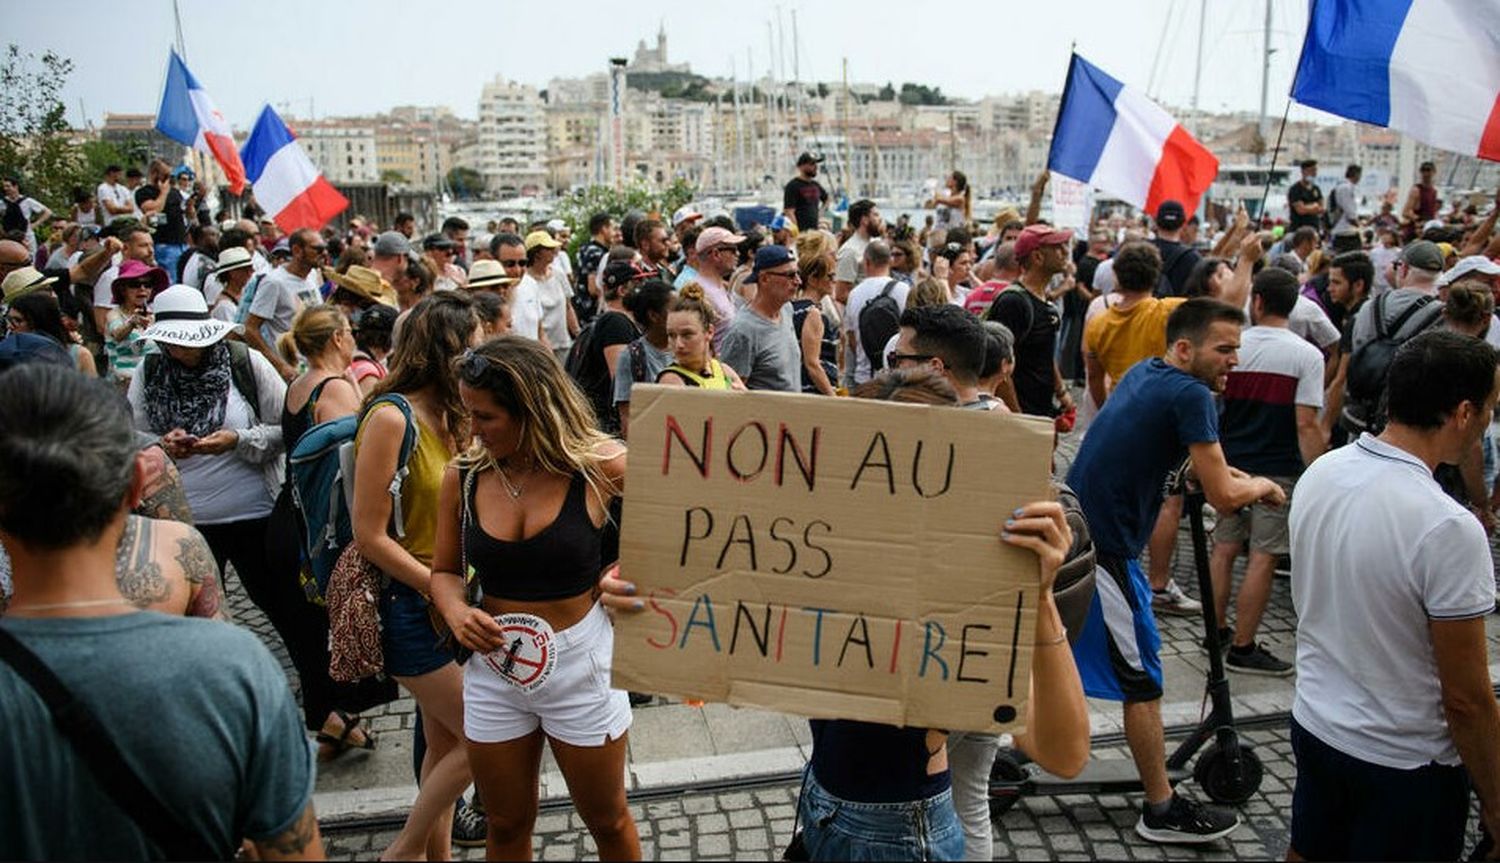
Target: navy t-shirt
x: 1140, y: 436
x: 867, y: 762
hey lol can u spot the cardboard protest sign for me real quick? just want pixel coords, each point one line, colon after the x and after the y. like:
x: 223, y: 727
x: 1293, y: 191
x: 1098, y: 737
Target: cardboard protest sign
x: 834, y: 558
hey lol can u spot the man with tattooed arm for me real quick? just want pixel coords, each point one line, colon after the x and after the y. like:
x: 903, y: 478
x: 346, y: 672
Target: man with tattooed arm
x: 213, y: 738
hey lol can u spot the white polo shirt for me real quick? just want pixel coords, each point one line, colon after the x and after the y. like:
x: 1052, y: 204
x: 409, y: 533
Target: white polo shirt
x: 1378, y: 550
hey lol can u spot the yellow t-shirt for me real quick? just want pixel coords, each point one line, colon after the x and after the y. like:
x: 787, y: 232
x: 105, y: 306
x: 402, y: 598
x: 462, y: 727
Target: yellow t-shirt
x: 1120, y: 339
x: 419, y: 491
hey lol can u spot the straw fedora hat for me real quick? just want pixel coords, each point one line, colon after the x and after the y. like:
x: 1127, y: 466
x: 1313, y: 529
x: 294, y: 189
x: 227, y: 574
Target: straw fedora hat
x: 489, y: 274
x: 23, y: 281
x: 364, y: 282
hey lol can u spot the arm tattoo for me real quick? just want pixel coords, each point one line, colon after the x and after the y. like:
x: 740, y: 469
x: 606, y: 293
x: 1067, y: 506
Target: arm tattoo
x: 296, y: 840
x: 197, y: 563
x: 163, y: 496
x: 138, y: 575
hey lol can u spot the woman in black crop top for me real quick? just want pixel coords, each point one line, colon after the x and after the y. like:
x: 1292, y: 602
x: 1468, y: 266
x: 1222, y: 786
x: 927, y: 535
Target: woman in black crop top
x: 524, y: 509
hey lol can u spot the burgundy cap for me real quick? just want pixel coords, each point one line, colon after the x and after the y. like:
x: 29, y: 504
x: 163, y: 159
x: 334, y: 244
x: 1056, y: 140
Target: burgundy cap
x: 1035, y: 236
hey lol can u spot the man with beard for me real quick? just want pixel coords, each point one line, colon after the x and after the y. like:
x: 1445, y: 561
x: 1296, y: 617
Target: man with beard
x: 804, y: 195
x: 1164, y: 407
x: 1025, y: 309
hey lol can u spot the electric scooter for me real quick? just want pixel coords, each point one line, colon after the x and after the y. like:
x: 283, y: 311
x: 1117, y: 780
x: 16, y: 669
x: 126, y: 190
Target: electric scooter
x: 1228, y: 769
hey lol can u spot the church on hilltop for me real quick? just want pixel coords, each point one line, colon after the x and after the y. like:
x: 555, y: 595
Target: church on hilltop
x: 653, y: 60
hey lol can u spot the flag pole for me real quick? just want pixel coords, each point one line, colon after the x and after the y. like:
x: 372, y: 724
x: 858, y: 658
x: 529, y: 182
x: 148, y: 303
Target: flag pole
x: 1271, y: 171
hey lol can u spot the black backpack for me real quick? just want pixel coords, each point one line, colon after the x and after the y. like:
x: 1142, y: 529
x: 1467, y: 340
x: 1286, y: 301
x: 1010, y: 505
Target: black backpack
x: 14, y: 220
x: 878, y: 321
x: 1369, y: 364
x: 1164, y: 286
x: 585, y: 365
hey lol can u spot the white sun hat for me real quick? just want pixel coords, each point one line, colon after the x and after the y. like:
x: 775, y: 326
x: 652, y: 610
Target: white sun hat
x: 181, y: 318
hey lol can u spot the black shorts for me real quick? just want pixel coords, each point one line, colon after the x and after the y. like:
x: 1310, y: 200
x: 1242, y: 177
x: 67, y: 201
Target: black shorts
x: 1347, y: 809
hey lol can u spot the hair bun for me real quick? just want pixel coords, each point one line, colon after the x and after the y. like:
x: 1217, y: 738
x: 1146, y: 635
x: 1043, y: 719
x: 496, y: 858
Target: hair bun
x: 691, y: 291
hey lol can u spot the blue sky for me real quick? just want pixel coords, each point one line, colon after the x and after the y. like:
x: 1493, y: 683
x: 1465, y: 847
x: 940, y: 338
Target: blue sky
x: 327, y: 58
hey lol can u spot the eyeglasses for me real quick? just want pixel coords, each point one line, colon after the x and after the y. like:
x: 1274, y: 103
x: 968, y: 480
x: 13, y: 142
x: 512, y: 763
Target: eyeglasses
x: 795, y: 275
x: 505, y: 263
x: 894, y: 358
x: 319, y: 248
x: 15, y: 320
x: 897, y: 253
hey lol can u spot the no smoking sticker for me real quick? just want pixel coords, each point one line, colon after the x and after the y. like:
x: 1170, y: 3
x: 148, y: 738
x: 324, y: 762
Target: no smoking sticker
x: 529, y: 654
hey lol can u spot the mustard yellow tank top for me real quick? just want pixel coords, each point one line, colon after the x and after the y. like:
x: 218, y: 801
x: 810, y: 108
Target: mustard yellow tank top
x: 419, y: 491
x: 713, y: 379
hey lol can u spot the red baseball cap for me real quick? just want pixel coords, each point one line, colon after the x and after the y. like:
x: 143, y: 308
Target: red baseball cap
x: 1035, y: 236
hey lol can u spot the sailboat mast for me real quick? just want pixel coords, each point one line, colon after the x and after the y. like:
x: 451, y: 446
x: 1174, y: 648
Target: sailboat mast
x: 1265, y: 87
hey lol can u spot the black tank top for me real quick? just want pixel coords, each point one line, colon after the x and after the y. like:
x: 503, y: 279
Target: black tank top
x: 561, y: 561
x: 295, y: 425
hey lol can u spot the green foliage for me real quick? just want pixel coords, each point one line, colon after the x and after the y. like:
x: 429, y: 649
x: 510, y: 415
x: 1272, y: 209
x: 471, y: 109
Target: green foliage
x: 100, y: 154
x: 466, y: 183
x: 34, y: 135
x: 921, y: 94
x: 394, y: 178
x: 638, y: 195
x: 887, y: 93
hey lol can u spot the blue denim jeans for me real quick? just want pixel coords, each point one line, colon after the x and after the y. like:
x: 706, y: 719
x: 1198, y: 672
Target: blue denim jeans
x: 837, y: 829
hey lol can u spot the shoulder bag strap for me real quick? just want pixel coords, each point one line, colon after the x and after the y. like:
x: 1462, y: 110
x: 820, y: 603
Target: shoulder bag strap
x: 93, y: 744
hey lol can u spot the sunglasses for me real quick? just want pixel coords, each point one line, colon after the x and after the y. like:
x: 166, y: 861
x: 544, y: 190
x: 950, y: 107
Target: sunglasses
x: 893, y: 358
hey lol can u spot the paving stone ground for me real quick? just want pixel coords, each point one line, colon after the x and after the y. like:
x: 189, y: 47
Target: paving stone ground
x: 756, y: 824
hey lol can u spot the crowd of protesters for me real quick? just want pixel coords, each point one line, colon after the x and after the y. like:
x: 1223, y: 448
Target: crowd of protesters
x: 1331, y: 384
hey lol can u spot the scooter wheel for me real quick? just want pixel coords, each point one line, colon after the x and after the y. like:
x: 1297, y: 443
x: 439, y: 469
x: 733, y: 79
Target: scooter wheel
x: 1218, y: 780
x: 1006, y: 779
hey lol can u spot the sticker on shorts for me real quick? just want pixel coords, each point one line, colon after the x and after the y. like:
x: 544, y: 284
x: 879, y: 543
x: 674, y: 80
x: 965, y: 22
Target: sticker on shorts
x: 529, y: 654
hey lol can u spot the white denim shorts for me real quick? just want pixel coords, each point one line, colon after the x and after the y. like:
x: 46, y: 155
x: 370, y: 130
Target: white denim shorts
x: 558, y: 682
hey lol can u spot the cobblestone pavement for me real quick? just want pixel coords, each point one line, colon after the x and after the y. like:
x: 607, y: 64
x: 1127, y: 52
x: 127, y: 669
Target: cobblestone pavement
x: 756, y: 824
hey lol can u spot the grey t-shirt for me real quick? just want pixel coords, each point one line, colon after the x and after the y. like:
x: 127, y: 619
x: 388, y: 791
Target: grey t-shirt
x: 655, y: 361
x: 199, y: 708
x: 850, y: 263
x: 1396, y: 303
x: 764, y: 352
x: 278, y: 298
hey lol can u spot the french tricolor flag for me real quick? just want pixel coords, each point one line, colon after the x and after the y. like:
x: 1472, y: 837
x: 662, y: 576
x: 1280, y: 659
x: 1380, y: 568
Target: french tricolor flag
x: 1113, y: 138
x: 286, y: 184
x: 1429, y: 68
x: 189, y: 117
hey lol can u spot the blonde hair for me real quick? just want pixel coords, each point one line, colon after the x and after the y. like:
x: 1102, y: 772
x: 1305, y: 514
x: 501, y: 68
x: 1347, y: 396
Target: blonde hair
x: 312, y: 330
x: 813, y: 244
x: 559, y: 431
x: 928, y: 292
x: 692, y: 299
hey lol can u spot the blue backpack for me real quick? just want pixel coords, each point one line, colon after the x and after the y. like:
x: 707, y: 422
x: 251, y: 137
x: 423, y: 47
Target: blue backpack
x: 320, y: 470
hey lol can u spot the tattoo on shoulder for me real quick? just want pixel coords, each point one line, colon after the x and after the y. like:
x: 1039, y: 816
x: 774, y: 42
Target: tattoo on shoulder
x: 198, y: 567
x: 296, y: 838
x: 138, y: 575
x: 163, y: 495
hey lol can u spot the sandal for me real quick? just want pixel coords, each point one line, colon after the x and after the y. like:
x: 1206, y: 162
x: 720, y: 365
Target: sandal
x: 345, y: 741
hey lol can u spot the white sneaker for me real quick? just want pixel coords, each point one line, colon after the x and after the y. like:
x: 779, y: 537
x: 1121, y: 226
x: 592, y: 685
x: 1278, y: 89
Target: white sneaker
x: 1171, y: 600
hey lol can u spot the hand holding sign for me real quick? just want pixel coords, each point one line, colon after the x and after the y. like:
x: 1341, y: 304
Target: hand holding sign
x: 834, y: 558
